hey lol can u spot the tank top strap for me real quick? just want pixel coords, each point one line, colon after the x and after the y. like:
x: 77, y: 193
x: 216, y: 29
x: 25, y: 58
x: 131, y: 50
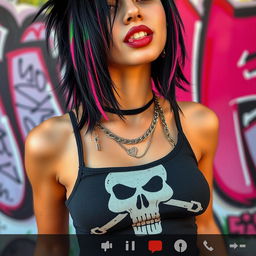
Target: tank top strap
x: 179, y: 127
x: 78, y: 138
x: 177, y: 119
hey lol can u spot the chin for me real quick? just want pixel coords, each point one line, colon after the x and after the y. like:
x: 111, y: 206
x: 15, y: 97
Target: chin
x: 144, y: 58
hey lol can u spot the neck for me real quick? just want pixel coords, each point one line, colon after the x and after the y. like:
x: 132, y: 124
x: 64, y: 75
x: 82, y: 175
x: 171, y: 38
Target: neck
x: 133, y: 86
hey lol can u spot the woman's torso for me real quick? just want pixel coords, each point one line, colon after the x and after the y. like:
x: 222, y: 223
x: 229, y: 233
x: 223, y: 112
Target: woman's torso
x: 97, y: 195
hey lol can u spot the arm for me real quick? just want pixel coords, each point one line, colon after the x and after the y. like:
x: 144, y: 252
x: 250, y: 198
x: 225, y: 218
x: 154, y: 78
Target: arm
x: 209, y: 129
x: 209, y: 132
x: 41, y: 152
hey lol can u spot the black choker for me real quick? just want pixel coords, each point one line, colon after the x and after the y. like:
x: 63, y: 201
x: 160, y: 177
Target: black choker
x: 130, y: 111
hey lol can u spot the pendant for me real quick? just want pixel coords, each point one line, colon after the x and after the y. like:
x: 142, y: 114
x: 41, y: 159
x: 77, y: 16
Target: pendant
x: 97, y: 143
x: 132, y: 151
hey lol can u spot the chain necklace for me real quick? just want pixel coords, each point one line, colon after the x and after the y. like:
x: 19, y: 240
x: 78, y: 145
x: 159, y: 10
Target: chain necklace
x: 134, y: 150
x: 165, y: 127
x: 148, y: 132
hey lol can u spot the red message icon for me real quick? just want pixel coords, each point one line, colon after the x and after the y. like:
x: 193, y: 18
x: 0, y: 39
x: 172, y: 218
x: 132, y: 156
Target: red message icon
x: 155, y: 246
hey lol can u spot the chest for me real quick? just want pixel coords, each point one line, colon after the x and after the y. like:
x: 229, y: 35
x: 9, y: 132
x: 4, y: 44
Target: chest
x: 112, y: 155
x: 147, y: 198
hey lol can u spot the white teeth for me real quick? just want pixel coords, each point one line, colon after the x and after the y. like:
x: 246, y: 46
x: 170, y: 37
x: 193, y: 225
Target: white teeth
x: 142, y: 34
x: 137, y: 36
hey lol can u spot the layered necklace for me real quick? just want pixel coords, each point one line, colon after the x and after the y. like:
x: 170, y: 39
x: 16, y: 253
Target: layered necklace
x: 133, y: 151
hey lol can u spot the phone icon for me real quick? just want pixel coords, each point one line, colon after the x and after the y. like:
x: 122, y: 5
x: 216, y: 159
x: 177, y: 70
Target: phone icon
x: 209, y: 248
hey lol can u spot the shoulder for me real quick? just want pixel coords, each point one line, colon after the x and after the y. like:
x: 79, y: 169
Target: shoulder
x: 199, y: 115
x: 48, y: 138
x: 43, y: 147
x: 202, y: 122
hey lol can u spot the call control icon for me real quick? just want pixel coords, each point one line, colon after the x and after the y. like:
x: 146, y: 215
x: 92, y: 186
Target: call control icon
x: 106, y: 246
x: 180, y: 245
x: 209, y: 248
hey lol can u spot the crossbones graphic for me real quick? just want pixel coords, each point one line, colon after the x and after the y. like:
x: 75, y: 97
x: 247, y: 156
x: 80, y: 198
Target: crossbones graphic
x: 132, y: 192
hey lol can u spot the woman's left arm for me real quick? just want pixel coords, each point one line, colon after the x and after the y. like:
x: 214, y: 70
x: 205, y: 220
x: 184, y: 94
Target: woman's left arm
x: 209, y: 133
x: 206, y: 224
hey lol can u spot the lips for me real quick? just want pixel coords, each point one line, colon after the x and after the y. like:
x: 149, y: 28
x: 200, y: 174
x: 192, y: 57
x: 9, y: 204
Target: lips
x: 136, y: 29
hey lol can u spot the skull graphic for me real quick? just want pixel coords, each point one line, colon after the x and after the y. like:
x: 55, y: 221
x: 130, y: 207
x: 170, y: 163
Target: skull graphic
x: 139, y: 193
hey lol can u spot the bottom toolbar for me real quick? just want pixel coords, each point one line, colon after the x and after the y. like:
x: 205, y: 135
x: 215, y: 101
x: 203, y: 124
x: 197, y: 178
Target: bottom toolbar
x: 125, y: 245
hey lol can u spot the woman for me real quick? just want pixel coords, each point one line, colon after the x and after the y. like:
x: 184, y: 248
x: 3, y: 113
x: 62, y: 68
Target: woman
x: 123, y: 160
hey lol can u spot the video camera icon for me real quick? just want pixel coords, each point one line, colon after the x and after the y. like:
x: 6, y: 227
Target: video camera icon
x: 106, y: 246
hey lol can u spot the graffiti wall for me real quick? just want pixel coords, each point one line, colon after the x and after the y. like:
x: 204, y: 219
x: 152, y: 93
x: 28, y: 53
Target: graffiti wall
x: 27, y: 97
x: 221, y: 66
x: 221, y: 37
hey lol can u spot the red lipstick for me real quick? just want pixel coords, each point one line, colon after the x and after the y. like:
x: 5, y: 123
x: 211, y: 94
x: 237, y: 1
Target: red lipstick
x: 135, y: 43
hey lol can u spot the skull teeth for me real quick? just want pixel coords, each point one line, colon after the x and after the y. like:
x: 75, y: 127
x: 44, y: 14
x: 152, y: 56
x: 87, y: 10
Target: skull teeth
x: 147, y: 222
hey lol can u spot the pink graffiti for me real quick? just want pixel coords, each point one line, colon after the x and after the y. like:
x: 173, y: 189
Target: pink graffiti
x: 35, y: 32
x: 243, y: 224
x: 224, y: 84
x: 192, y: 20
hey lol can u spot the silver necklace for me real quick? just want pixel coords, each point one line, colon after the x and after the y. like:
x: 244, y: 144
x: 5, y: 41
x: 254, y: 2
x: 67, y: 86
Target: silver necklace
x: 165, y: 127
x: 134, y: 150
x: 137, y: 140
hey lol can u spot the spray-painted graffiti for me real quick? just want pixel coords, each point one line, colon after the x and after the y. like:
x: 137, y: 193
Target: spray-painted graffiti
x: 13, y: 193
x: 10, y: 178
x: 243, y: 224
x: 191, y: 14
x: 3, y: 36
x: 247, y: 59
x: 28, y: 77
x: 30, y: 87
x: 234, y: 82
x: 222, y: 68
x: 228, y: 87
x: 244, y: 117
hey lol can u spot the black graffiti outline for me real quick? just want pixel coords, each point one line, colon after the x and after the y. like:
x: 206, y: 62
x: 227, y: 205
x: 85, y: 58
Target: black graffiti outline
x: 245, y: 58
x: 17, y: 24
x: 7, y: 174
x: 4, y: 191
x: 251, y: 56
x: 14, y: 176
x: 32, y: 76
x: 5, y: 149
x: 34, y: 73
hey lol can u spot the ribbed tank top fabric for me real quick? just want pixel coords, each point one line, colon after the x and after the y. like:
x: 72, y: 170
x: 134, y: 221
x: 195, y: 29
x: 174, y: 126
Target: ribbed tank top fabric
x: 160, y: 197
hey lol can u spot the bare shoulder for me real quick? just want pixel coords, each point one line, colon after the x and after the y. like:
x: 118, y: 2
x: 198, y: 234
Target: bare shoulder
x: 199, y: 116
x: 47, y: 138
x: 43, y: 146
x: 201, y: 126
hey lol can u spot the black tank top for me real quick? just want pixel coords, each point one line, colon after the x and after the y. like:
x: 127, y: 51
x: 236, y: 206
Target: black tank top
x: 160, y: 197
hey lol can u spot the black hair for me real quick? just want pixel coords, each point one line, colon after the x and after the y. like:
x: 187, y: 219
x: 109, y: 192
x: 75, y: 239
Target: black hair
x: 83, y: 39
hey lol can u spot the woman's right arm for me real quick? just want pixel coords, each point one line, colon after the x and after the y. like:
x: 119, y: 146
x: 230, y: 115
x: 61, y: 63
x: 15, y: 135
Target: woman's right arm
x: 42, y: 150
